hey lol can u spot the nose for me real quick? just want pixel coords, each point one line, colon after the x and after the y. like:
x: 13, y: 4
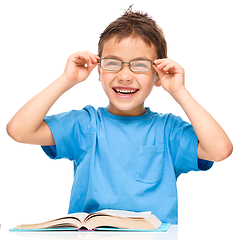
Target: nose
x: 125, y: 74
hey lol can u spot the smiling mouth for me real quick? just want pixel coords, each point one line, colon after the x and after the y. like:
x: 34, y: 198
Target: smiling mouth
x: 125, y: 91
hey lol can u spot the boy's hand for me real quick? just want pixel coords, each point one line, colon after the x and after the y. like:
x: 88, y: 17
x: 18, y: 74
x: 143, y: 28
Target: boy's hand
x: 171, y: 75
x: 79, y: 66
x: 213, y: 143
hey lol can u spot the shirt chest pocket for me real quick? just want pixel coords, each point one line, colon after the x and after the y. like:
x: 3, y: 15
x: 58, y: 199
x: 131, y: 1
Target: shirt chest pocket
x: 150, y: 164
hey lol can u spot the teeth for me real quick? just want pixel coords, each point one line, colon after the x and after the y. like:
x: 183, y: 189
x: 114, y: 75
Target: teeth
x: 125, y: 91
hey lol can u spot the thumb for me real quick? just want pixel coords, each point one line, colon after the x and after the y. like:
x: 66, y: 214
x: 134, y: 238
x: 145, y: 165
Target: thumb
x: 91, y: 67
x: 160, y: 73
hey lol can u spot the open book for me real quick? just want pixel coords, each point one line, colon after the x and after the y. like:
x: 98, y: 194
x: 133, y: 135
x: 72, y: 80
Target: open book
x: 104, y: 218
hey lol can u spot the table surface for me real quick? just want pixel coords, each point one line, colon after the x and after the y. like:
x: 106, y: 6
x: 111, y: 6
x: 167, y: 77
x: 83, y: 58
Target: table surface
x: 171, y: 234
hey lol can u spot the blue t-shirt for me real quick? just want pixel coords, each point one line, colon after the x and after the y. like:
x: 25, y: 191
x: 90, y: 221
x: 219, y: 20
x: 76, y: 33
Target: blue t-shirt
x: 125, y: 163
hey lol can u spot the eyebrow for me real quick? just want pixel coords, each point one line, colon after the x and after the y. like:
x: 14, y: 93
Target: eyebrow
x: 137, y: 58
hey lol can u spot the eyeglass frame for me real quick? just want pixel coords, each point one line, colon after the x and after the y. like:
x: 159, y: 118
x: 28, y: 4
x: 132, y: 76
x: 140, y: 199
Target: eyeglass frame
x: 129, y: 63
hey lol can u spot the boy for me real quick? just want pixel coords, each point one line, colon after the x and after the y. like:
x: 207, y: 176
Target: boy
x: 126, y: 156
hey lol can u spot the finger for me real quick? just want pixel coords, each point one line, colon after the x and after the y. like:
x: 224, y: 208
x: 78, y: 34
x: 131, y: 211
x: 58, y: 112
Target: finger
x: 83, y: 58
x: 92, y: 57
x: 161, y: 63
x: 92, y: 60
x: 79, y: 58
x: 91, y: 67
x: 159, y: 71
x: 168, y: 66
x: 96, y: 57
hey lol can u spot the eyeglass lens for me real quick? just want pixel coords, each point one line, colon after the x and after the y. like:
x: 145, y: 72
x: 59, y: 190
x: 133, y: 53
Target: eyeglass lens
x: 135, y: 65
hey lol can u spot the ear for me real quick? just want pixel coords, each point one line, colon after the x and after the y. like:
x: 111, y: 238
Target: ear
x: 99, y: 73
x: 158, y: 82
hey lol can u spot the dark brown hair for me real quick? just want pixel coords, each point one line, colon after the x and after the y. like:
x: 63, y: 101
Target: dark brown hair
x: 135, y: 24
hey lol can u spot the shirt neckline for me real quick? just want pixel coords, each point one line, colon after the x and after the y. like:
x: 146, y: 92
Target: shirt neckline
x: 111, y: 116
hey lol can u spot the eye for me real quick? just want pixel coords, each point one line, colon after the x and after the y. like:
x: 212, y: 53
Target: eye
x: 140, y: 65
x: 113, y: 63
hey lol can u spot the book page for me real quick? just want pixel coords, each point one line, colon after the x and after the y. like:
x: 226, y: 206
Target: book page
x: 80, y: 215
x: 129, y: 214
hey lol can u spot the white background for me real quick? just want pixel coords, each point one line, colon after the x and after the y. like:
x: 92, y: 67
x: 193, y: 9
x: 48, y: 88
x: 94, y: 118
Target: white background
x: 36, y: 39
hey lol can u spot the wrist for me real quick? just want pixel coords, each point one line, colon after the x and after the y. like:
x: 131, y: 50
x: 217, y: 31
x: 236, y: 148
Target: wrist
x: 180, y: 94
x: 65, y: 83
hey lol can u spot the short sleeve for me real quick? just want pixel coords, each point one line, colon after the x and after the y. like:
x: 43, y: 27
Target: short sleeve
x: 204, y: 164
x: 71, y: 132
x: 183, y: 143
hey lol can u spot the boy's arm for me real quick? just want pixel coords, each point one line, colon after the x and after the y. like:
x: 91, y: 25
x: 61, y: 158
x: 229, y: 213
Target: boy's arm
x: 214, y: 144
x: 27, y: 126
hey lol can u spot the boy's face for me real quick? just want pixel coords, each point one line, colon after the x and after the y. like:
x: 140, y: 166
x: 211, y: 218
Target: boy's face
x: 125, y: 89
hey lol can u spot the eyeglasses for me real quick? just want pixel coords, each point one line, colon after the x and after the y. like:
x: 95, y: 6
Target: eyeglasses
x: 137, y: 66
